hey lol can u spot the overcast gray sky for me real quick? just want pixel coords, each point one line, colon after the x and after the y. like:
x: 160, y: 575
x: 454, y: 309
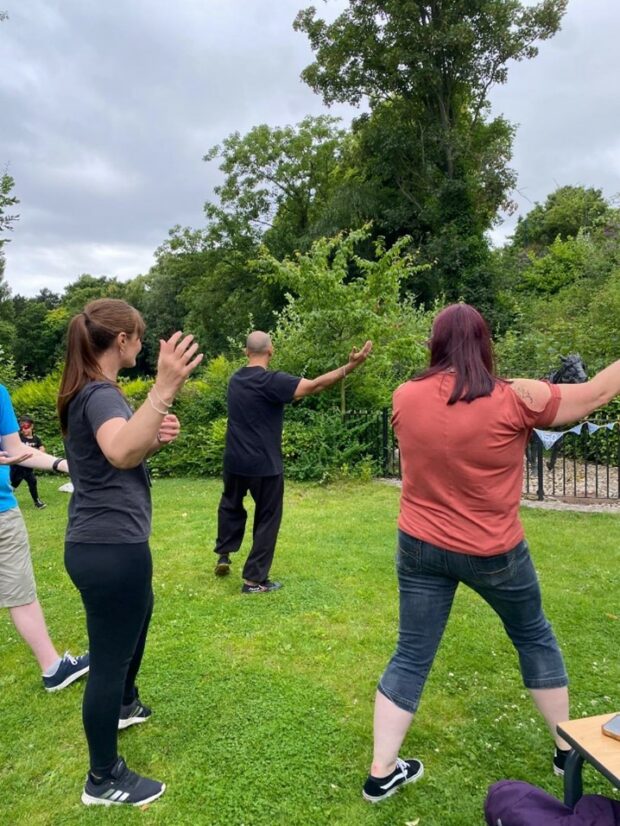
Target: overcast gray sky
x: 107, y: 109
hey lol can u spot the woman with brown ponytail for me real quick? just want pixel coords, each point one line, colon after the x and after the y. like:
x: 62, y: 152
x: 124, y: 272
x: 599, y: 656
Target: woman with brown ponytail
x: 107, y: 551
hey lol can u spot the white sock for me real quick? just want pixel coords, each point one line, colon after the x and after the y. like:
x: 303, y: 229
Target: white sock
x: 49, y: 672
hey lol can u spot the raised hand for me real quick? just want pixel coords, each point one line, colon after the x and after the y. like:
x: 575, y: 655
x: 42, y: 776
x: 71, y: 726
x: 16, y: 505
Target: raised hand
x: 177, y: 358
x: 357, y: 357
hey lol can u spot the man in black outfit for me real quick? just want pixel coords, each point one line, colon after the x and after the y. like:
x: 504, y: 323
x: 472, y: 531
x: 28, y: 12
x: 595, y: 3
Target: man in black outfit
x: 21, y: 474
x: 253, y: 456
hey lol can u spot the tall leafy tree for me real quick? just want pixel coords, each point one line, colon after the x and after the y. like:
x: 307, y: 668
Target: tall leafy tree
x: 7, y: 219
x: 565, y: 212
x: 277, y: 183
x: 328, y: 310
x: 438, y: 165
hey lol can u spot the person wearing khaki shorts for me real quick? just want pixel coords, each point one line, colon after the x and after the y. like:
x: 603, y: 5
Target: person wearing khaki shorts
x: 17, y: 584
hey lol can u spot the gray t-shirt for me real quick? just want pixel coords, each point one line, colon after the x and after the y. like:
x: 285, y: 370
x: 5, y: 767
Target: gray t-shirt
x: 108, y: 505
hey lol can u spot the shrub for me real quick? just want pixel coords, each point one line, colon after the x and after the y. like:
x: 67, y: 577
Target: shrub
x: 38, y: 399
x: 317, y: 444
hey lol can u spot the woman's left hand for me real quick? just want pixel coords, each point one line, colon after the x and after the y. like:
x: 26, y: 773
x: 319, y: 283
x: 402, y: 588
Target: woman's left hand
x: 169, y: 429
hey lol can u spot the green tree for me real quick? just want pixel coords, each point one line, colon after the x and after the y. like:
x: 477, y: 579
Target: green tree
x: 89, y: 287
x: 565, y: 212
x: 7, y: 219
x: 159, y: 295
x: 7, y: 201
x: 328, y: 311
x: 436, y: 161
x: 278, y: 181
x: 40, y: 327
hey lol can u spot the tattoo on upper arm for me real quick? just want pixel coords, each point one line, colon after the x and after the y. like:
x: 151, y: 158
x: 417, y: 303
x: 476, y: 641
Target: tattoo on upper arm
x: 523, y: 393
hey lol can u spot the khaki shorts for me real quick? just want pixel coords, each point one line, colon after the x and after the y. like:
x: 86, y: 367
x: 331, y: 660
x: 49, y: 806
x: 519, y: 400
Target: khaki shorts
x: 17, y: 585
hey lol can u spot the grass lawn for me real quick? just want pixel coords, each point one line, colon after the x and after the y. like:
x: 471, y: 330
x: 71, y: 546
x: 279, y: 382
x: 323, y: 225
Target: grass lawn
x: 263, y: 704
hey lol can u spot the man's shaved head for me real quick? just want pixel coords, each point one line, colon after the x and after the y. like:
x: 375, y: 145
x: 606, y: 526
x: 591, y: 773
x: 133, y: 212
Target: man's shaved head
x: 258, y: 343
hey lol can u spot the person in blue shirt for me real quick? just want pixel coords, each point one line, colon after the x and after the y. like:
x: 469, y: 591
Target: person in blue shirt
x: 17, y: 584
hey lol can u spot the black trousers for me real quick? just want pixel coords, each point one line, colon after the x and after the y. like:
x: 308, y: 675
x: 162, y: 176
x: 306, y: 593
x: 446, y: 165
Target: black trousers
x: 267, y: 493
x: 115, y: 584
x: 20, y: 474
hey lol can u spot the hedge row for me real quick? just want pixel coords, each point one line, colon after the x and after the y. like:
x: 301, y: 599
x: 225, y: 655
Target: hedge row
x: 317, y: 445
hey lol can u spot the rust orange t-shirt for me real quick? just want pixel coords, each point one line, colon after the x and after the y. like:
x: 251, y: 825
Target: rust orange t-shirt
x: 462, y: 464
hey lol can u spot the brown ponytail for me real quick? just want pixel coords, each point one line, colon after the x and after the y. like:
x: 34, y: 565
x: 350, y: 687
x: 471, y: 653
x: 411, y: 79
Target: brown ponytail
x: 90, y: 334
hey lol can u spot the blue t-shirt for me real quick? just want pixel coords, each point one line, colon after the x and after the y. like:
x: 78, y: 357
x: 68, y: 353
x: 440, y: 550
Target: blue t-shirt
x: 8, y: 424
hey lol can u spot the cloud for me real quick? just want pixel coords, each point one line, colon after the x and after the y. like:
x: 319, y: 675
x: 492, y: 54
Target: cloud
x: 566, y: 108
x: 108, y: 108
x: 54, y: 266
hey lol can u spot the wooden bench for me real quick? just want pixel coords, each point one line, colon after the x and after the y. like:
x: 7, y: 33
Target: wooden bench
x: 588, y: 743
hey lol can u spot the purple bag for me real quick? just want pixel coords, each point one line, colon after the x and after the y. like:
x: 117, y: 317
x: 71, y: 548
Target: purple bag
x: 513, y: 803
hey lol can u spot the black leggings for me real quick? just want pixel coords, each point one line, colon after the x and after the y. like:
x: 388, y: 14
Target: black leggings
x: 115, y: 584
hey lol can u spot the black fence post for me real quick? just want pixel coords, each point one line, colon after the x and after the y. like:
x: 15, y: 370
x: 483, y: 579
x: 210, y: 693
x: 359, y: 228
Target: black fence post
x: 540, y: 493
x: 385, y: 437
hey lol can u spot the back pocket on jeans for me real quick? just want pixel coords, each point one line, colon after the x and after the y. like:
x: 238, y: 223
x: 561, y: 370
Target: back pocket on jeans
x: 409, y: 555
x: 493, y: 570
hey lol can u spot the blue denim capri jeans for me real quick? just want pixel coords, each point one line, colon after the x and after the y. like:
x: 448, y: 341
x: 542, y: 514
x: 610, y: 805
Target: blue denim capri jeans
x: 428, y: 577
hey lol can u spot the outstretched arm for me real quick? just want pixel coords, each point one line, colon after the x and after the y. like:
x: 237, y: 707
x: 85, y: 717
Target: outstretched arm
x: 17, y: 453
x: 307, y: 387
x: 577, y: 400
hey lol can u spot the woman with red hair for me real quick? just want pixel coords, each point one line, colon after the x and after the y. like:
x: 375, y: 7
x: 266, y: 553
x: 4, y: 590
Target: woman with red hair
x: 462, y: 433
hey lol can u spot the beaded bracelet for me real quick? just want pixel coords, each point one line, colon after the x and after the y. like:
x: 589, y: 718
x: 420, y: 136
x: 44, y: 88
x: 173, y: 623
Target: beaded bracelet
x: 156, y: 409
x: 159, y: 398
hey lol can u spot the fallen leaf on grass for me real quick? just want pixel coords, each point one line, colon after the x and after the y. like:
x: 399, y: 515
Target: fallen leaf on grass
x: 412, y: 822
x: 612, y: 616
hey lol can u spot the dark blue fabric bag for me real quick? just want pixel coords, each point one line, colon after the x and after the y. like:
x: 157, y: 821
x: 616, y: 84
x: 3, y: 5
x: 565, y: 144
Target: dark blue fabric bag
x: 514, y: 803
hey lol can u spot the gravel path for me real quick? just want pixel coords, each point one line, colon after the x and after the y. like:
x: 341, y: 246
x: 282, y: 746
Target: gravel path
x: 550, y: 503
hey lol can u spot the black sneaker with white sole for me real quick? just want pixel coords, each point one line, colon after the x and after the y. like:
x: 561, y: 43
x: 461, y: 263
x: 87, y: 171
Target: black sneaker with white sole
x: 559, y: 761
x: 378, y: 788
x: 123, y: 787
x: 133, y: 714
x: 261, y: 587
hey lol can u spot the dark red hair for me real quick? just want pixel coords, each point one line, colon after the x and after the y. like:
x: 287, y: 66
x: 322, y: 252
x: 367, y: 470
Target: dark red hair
x: 461, y: 342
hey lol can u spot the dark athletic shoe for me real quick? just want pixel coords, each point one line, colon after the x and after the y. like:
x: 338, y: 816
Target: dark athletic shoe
x: 263, y: 588
x: 223, y: 565
x: 39, y: 505
x: 124, y: 786
x: 69, y: 670
x: 559, y: 761
x: 378, y: 788
x: 133, y: 714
